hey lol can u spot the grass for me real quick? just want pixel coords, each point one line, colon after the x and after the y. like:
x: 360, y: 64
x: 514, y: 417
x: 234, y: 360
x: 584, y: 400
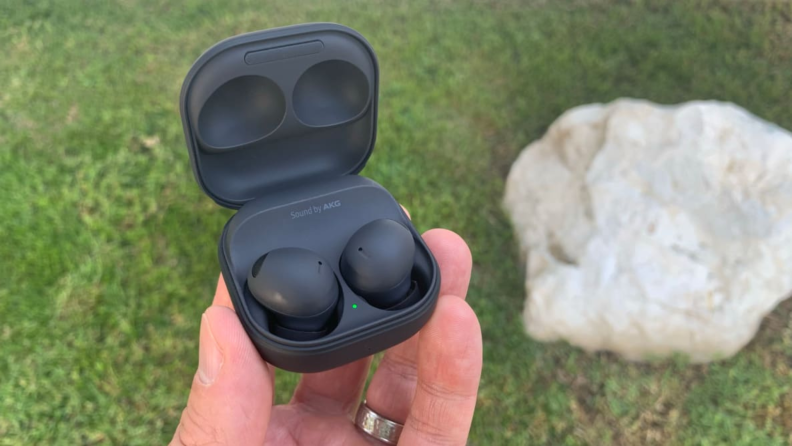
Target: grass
x: 109, y: 246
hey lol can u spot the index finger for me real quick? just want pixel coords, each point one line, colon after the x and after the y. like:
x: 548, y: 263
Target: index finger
x: 393, y: 385
x: 449, y: 369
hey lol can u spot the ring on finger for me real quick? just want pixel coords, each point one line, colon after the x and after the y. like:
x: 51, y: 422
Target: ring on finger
x: 377, y: 426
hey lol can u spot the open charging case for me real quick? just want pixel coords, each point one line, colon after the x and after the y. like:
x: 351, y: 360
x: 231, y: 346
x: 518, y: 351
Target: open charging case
x: 278, y: 124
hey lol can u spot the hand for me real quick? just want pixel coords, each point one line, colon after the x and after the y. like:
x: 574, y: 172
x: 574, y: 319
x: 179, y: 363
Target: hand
x: 428, y: 383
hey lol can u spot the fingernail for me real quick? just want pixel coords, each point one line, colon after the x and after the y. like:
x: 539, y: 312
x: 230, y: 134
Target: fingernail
x: 210, y: 357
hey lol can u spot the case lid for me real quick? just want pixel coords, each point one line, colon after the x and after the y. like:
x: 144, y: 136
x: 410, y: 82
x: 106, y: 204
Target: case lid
x: 269, y: 109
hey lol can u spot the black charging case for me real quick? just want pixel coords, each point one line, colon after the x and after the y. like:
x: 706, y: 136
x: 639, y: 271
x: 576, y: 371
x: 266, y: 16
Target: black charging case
x: 278, y: 124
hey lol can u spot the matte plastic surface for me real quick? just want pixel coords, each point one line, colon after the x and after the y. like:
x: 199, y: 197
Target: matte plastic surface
x: 278, y: 123
x: 270, y: 109
x: 322, y: 217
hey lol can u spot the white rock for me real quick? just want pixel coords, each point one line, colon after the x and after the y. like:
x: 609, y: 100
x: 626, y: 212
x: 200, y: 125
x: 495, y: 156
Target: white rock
x: 651, y: 229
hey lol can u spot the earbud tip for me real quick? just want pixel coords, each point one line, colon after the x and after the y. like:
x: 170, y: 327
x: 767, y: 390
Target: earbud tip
x: 412, y: 296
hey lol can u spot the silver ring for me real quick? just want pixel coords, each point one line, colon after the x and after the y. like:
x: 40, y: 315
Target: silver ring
x: 377, y: 426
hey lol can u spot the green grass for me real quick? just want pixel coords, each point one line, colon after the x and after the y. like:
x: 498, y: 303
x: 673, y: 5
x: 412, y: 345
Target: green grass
x: 108, y: 245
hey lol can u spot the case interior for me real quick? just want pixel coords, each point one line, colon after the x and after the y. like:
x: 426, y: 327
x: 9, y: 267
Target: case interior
x: 275, y: 108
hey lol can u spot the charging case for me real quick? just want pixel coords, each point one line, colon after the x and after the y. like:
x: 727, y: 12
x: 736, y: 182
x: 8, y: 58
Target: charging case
x: 278, y: 124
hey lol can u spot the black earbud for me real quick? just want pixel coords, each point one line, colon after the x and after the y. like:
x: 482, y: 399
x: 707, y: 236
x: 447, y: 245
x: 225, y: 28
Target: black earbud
x: 298, y: 288
x: 301, y: 292
x: 377, y: 263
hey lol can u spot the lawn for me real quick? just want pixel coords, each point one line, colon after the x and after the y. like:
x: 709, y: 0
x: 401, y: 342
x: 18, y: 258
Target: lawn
x: 109, y: 246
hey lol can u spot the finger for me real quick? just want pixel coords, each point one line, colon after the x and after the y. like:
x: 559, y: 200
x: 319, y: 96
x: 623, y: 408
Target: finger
x: 392, y: 387
x: 454, y: 258
x: 406, y: 211
x: 221, y: 296
x: 393, y: 384
x: 449, y: 369
x: 231, y: 394
x: 335, y: 391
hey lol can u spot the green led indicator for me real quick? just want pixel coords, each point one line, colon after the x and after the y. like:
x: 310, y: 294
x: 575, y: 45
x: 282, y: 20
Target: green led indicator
x: 354, y: 305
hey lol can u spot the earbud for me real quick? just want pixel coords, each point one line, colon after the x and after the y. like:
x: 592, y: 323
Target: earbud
x: 377, y: 263
x: 298, y: 288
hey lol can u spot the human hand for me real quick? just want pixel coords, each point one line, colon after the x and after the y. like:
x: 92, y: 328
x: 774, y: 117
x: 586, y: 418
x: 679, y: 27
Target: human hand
x: 428, y: 383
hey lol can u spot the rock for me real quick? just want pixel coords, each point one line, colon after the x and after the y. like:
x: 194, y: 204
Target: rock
x: 650, y: 230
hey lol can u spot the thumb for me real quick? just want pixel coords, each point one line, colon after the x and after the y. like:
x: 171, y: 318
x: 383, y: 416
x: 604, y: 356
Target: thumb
x: 231, y: 394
